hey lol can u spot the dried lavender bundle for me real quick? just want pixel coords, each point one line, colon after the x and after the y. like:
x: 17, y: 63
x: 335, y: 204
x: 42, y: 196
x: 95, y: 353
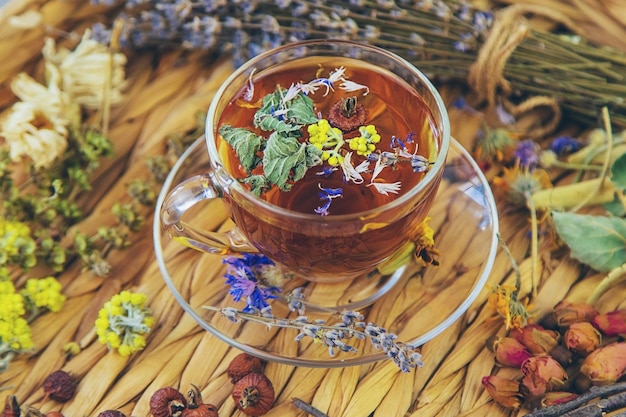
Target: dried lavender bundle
x: 441, y: 37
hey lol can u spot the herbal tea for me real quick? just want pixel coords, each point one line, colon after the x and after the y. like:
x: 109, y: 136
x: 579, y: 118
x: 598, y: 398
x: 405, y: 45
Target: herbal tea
x: 328, y: 136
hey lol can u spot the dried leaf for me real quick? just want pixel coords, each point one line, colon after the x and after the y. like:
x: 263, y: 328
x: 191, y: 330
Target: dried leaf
x: 597, y: 241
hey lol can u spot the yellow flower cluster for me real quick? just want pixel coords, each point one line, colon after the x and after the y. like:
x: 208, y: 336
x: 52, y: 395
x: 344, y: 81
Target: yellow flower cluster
x: 44, y: 293
x: 366, y: 143
x: 15, y: 334
x: 324, y: 136
x: 16, y: 244
x: 123, y: 322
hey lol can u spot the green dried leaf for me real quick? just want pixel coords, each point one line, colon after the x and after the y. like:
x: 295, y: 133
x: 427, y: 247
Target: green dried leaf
x: 285, y: 117
x: 245, y: 143
x: 258, y: 184
x: 597, y: 241
x: 286, y: 159
x: 618, y: 172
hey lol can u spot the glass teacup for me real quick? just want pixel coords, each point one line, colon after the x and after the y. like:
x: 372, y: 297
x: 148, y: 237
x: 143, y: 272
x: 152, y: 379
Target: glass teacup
x: 326, y: 209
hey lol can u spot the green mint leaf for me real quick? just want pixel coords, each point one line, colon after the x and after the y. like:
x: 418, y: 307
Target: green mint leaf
x: 618, y: 172
x: 258, y: 184
x: 597, y: 241
x: 285, y: 159
x: 285, y: 117
x: 245, y: 143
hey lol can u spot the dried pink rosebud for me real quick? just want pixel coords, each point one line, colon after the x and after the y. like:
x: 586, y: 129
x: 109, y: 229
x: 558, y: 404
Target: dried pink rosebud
x: 557, y: 398
x: 510, y: 352
x: 606, y: 364
x: 543, y: 374
x: 612, y: 323
x: 504, y: 391
x: 538, y: 341
x: 582, y: 338
x: 568, y: 313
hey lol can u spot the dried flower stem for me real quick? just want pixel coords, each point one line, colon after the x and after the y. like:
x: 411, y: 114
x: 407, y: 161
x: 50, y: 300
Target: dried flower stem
x: 595, y: 392
x: 612, y: 279
x: 307, y: 408
x: 443, y: 38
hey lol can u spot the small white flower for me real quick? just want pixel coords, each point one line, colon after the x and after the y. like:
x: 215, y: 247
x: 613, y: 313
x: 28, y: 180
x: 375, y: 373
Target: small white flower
x: 351, y: 86
x: 337, y: 75
x: 88, y: 71
x: 349, y: 172
x: 385, y: 187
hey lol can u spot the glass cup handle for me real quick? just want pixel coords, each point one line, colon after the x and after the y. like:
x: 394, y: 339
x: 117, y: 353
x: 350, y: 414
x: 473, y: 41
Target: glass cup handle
x: 180, y: 199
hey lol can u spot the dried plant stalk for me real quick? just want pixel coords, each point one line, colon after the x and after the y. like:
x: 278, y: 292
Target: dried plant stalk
x: 95, y: 384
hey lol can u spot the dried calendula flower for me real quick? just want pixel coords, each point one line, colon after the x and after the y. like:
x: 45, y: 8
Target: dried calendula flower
x: 254, y: 394
x: 606, y: 364
x: 504, y: 391
x: 543, y: 374
x: 582, y: 338
x: 60, y: 386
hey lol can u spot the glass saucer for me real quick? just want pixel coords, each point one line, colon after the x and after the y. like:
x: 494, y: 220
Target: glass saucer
x: 415, y: 302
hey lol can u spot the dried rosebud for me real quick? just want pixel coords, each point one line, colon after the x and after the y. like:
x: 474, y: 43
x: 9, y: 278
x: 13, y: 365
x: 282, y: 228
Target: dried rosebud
x: 612, y: 323
x: 582, y: 338
x: 59, y: 386
x: 568, y: 313
x: 557, y: 398
x: 242, y: 365
x: 543, y: 374
x: 510, y: 352
x: 504, y: 391
x: 605, y: 365
x: 111, y: 413
x: 54, y: 414
x: 167, y: 402
x: 254, y: 394
x: 538, y: 341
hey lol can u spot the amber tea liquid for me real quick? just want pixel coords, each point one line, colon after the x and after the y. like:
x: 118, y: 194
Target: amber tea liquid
x: 329, y: 248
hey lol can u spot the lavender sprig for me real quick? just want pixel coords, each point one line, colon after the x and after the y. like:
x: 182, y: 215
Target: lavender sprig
x: 441, y: 37
x: 335, y: 336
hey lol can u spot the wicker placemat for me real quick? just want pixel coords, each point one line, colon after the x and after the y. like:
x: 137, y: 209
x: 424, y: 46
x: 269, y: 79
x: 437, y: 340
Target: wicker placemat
x: 166, y: 91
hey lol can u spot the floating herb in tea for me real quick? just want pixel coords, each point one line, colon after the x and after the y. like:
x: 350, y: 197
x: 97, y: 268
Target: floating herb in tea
x: 329, y: 140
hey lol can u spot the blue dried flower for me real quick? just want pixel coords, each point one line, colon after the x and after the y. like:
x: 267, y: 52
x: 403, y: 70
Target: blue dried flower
x: 527, y: 152
x: 246, y: 277
x: 564, y: 145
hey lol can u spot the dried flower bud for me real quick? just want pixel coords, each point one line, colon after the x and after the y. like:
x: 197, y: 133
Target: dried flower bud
x: 568, y: 313
x: 510, y: 352
x: 254, y: 394
x: 11, y: 407
x: 582, y: 338
x: 167, y: 402
x: 557, y: 398
x: 242, y: 365
x: 111, y: 413
x: 59, y: 386
x: 612, y: 323
x: 605, y: 365
x: 543, y: 374
x: 54, y: 414
x: 538, y: 341
x: 504, y: 391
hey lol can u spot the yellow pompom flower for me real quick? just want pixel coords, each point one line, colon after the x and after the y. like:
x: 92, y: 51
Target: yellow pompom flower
x: 366, y: 143
x: 123, y: 322
x: 44, y: 293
